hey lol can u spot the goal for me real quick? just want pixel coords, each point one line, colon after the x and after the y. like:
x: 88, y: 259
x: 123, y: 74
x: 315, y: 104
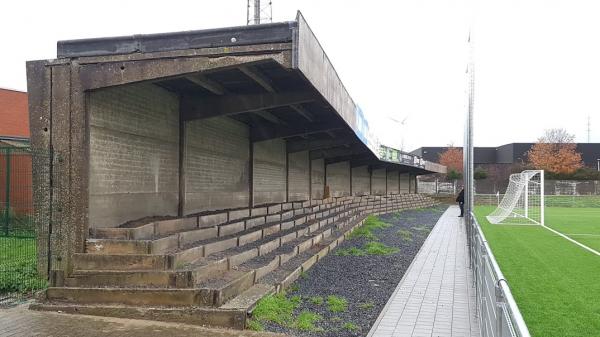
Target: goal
x: 523, y: 202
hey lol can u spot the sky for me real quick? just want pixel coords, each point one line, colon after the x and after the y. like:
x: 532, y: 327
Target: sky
x: 537, y: 62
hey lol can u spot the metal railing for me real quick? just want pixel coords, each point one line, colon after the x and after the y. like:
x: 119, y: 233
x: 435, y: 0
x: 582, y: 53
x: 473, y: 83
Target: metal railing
x: 498, y: 313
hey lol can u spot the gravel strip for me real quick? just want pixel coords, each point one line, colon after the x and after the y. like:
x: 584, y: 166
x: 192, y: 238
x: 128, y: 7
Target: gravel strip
x: 366, y: 282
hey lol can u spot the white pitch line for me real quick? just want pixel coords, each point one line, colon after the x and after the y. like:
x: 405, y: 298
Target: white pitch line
x: 574, y: 241
x: 582, y: 234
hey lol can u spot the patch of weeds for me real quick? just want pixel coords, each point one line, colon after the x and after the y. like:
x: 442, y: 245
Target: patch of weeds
x: 350, y: 252
x: 306, y: 321
x: 422, y: 229
x: 276, y: 308
x: 304, y: 275
x: 317, y: 300
x: 371, y: 224
x: 378, y: 248
x: 405, y: 234
x: 337, y: 304
x: 366, y: 305
x: 255, y: 325
x: 370, y: 248
x: 293, y: 288
x: 351, y: 327
x: 396, y: 215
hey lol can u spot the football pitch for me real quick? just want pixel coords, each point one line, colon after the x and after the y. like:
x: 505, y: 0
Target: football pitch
x: 555, y: 282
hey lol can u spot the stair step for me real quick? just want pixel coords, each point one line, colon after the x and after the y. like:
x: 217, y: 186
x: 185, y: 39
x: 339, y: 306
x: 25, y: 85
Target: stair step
x: 133, y: 296
x: 203, y: 316
x: 121, y: 262
x: 125, y: 278
x: 247, y: 300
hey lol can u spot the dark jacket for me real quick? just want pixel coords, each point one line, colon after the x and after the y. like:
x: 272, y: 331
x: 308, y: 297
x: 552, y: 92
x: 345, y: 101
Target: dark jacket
x: 461, y: 196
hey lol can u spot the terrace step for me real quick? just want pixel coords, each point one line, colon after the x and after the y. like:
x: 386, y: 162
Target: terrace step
x: 217, y: 277
x: 187, y: 277
x: 203, y: 316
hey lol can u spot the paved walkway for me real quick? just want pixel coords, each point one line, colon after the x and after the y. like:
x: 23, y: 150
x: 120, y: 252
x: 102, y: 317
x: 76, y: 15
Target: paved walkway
x: 435, y: 298
x: 26, y: 323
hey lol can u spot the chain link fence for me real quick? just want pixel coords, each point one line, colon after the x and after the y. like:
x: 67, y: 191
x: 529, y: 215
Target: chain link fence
x: 27, y: 186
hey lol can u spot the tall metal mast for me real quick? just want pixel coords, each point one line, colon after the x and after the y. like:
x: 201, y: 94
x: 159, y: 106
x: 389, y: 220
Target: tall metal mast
x: 255, y: 12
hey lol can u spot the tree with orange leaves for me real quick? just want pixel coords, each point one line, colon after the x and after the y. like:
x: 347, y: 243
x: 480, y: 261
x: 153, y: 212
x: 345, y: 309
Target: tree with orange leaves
x: 452, y: 158
x: 555, y: 152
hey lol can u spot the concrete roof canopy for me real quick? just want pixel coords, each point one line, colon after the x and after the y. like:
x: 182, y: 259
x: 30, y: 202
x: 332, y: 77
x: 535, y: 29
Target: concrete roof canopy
x: 275, y: 77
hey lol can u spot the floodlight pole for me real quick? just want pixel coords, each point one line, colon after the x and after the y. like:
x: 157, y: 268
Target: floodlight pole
x: 468, y: 147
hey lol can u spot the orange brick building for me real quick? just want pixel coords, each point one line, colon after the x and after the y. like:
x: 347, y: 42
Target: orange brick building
x: 14, y: 141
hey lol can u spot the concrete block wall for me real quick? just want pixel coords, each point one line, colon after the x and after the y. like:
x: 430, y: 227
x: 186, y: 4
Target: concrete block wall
x: 134, y: 162
x: 217, y: 154
x: 338, y: 179
x: 393, y: 186
x: 134, y: 154
x: 317, y: 180
x: 269, y: 171
x: 298, y: 176
x: 361, y: 180
x: 378, y: 178
x: 404, y: 183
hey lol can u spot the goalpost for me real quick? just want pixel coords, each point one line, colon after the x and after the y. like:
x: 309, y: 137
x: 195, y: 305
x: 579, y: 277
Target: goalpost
x: 523, y: 202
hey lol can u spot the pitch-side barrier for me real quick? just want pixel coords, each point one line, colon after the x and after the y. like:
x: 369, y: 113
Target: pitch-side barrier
x: 497, y: 311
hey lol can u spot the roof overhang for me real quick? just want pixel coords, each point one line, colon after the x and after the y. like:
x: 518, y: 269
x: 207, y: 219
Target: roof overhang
x: 274, y: 77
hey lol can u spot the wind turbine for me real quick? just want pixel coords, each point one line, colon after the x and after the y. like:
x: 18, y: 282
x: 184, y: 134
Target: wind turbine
x: 402, y: 124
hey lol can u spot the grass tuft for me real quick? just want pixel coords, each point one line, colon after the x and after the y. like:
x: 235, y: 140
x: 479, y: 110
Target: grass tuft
x: 366, y: 305
x: 350, y: 252
x: 306, y: 321
x: 371, y: 224
x: 422, y: 229
x: 255, y: 325
x: 405, y: 234
x: 317, y: 300
x: 337, y: 303
x: 351, y: 327
x: 276, y: 308
x: 378, y: 248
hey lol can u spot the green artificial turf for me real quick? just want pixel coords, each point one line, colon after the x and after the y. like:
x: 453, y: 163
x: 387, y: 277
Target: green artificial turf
x: 554, y: 281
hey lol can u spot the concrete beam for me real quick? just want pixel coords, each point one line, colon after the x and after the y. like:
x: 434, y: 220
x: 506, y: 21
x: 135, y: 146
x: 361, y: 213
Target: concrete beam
x: 262, y: 132
x: 339, y: 152
x: 303, y: 112
x: 194, y: 107
x: 258, y: 77
x: 100, y: 75
x: 207, y: 84
x: 320, y: 144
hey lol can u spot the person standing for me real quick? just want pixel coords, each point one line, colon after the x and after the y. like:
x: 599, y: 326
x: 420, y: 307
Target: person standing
x: 461, y: 202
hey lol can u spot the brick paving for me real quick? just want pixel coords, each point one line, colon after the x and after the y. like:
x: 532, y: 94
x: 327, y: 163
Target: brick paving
x: 20, y: 322
x: 435, y: 298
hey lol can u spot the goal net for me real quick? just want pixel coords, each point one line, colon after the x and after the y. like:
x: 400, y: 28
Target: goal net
x: 523, y: 202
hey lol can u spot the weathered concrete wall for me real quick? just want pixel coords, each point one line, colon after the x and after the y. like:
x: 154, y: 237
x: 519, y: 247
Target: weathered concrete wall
x: 317, y: 178
x: 392, y: 182
x: 298, y: 176
x: 216, y: 161
x: 404, y: 183
x: 134, y: 154
x: 361, y: 180
x: 378, y: 182
x: 269, y: 172
x: 338, y: 179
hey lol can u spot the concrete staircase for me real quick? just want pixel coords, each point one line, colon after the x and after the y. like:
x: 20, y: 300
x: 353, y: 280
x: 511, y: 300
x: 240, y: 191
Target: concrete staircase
x: 210, y: 269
